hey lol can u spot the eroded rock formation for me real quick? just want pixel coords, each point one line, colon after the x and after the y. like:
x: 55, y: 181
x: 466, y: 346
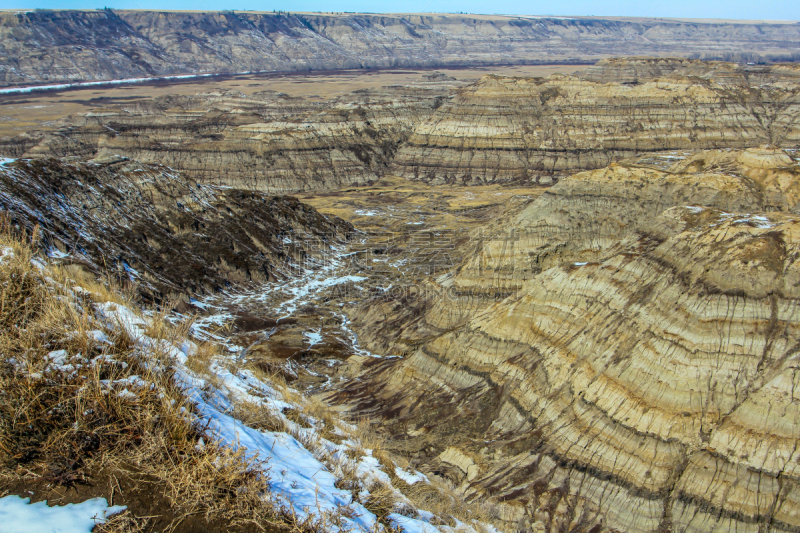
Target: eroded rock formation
x: 643, y: 381
x: 267, y: 141
x: 538, y: 130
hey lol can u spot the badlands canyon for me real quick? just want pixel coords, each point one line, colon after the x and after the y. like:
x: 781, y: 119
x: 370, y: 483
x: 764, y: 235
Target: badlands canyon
x: 569, y: 295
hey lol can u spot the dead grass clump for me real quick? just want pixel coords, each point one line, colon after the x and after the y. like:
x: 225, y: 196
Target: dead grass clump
x: 443, y: 500
x: 382, y: 501
x: 200, y: 361
x: 258, y: 417
x: 219, y: 483
x: 277, y: 380
x: 123, y: 522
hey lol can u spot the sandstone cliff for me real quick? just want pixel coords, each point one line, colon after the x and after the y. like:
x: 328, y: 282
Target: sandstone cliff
x: 57, y: 46
x: 538, y: 130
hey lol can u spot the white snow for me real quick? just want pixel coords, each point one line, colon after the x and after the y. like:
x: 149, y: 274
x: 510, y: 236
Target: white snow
x: 313, y: 337
x: 408, y: 477
x: 366, y: 212
x: 758, y: 221
x: 297, y: 478
x: 411, y: 525
x: 20, y: 516
x: 55, y: 253
x: 5, y: 160
x: 313, y: 286
x: 6, y: 252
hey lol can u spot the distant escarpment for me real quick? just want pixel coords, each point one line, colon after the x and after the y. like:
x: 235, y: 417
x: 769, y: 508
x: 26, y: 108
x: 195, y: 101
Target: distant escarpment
x: 642, y: 380
x: 539, y: 130
x: 62, y: 46
x: 167, y: 234
x: 267, y: 141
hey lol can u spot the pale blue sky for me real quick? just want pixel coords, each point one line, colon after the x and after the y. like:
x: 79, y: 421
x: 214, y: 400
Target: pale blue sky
x: 728, y: 9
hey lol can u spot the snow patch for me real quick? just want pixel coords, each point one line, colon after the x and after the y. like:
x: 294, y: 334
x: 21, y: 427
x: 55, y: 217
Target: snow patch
x: 366, y: 213
x: 21, y: 516
x: 410, y: 478
x: 6, y: 252
x: 411, y: 525
x: 313, y: 337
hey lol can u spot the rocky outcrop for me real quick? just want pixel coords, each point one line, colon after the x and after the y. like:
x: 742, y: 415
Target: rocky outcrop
x: 538, y: 130
x: 268, y: 141
x: 169, y: 235
x: 647, y: 385
x: 61, y: 46
x: 582, y: 219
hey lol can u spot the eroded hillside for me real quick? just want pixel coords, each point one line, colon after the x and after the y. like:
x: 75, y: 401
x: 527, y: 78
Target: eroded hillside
x: 526, y: 131
x: 169, y: 235
x: 624, y: 359
x: 268, y: 141
x: 61, y: 46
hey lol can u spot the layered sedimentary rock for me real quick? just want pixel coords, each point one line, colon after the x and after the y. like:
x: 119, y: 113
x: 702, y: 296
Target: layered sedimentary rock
x: 581, y: 219
x: 538, y: 130
x: 638, y: 69
x: 167, y: 234
x: 649, y: 387
x: 57, y: 46
x: 266, y: 141
x: 586, y: 215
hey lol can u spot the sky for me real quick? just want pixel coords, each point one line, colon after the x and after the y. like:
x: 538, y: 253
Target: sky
x: 721, y: 9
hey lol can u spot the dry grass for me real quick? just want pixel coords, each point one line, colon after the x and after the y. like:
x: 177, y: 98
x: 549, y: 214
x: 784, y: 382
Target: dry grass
x: 61, y: 420
x: 124, y: 522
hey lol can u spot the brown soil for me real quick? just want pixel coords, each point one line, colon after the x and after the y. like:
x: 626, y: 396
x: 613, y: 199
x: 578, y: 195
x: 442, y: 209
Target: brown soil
x: 143, y: 497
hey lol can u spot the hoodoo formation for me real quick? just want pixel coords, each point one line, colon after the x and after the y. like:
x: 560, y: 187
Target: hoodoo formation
x: 492, y: 298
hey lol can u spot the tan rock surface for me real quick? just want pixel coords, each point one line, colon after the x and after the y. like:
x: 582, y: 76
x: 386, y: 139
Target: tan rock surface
x: 638, y: 69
